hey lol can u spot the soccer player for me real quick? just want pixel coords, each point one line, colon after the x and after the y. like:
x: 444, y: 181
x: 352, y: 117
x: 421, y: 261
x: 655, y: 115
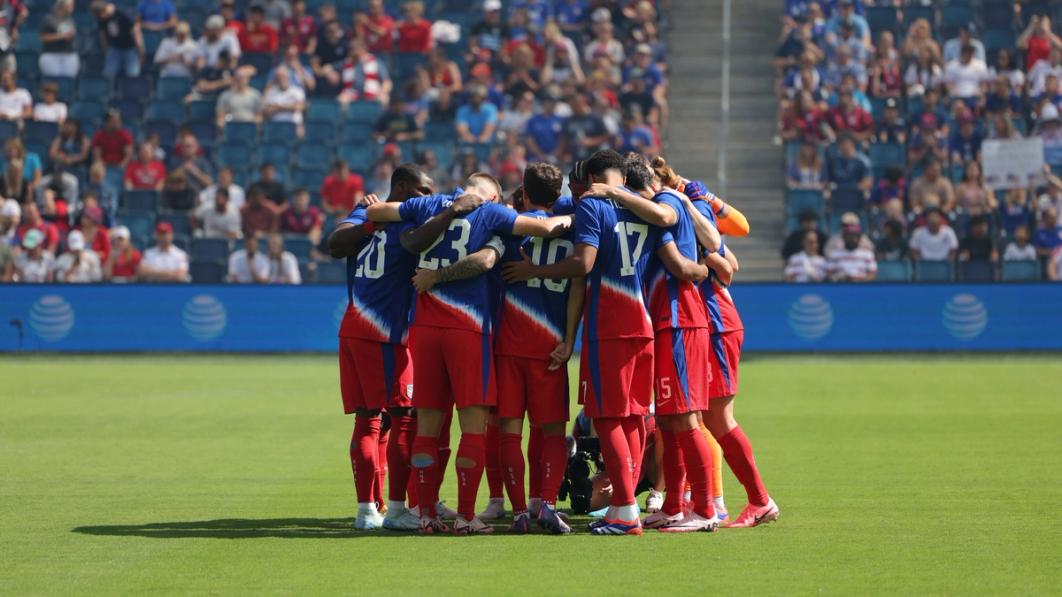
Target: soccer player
x: 725, y: 217
x: 452, y: 349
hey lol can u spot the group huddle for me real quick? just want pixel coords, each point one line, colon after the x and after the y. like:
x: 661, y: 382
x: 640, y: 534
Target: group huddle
x: 475, y: 300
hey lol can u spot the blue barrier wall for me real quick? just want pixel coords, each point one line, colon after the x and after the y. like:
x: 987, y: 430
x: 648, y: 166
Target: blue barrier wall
x: 778, y: 317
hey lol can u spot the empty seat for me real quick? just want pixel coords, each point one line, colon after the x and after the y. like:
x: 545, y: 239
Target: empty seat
x: 136, y: 88
x: 934, y: 271
x: 1021, y: 271
x: 313, y: 156
x: 131, y: 110
x: 140, y: 201
x: 171, y: 111
x: 279, y: 132
x: 205, y: 131
x: 800, y: 200
x: 913, y: 12
x: 97, y: 89
x: 165, y: 129
x: 299, y: 245
x: 364, y: 111
x: 359, y: 158
x: 977, y: 271
x: 210, y: 249
x: 894, y: 271
x: 274, y: 153
x: 141, y: 225
x: 882, y: 18
x: 261, y: 61
x: 201, y: 109
x: 207, y: 271
x: 39, y: 133
x: 308, y: 178
x: 173, y: 88
x: 8, y: 129
x: 323, y: 109
x: 241, y: 132
x: 234, y: 155
x: 359, y: 132
x: 87, y: 111
x: 67, y: 87
x: 332, y: 272
x: 317, y: 131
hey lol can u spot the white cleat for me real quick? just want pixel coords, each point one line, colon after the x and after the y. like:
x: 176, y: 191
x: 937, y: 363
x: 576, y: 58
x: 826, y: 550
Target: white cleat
x: 445, y: 512
x: 471, y: 527
x: 534, y: 505
x: 403, y: 520
x: 654, y: 502
x: 661, y: 519
x: 495, y: 509
x: 368, y: 520
x: 692, y: 522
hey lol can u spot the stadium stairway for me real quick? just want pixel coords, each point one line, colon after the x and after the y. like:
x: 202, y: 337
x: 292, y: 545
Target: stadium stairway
x: 753, y: 164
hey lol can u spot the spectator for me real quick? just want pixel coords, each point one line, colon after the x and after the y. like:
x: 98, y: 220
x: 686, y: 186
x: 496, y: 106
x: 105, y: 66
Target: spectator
x: 177, y: 194
x: 267, y: 182
x: 232, y: 25
x: 78, y: 264
x: 258, y: 216
x: 12, y: 15
x: 216, y: 43
x: 477, y: 120
x: 302, y: 218
x: 886, y: 79
x: 218, y: 219
x: 488, y: 36
x: 414, y: 31
x: 808, y: 171
x: 258, y: 36
x: 112, y: 144
x: 57, y: 194
x: 15, y: 102
x: 165, y: 262
x: 809, y: 222
x: 967, y: 37
x: 15, y: 151
x: 844, y: 65
x: 1043, y: 69
x: 189, y: 162
x: 58, y: 49
x: 849, y: 221
x: 923, y: 74
x: 1049, y: 128
x: 846, y: 37
x: 376, y: 27
x: 1020, y: 249
x: 283, y: 266
x: 50, y: 109
x: 892, y: 246
x: 429, y: 163
x: 971, y: 194
x: 276, y: 11
x: 1054, y: 266
x: 1003, y: 101
x: 804, y: 121
x: 919, y: 38
x: 845, y: 14
x: 635, y: 136
x: 1004, y: 66
x: 331, y: 50
x: 145, y: 173
x: 362, y: 76
x: 1052, y: 195
x: 852, y: 261
x: 298, y: 75
x: 604, y: 42
x: 1051, y: 93
x: 123, y: 44
x: 850, y: 169
x: 936, y: 240
x: 543, y: 131
x: 176, y: 55
x: 480, y: 74
x: 891, y: 128
x: 35, y: 264
x: 124, y: 259
x: 96, y: 234
x: 285, y: 102
x: 395, y: 125
x: 572, y: 16
x: 248, y: 265
x: 932, y: 183
x: 341, y: 190
x: 806, y: 265
x: 964, y: 77
x: 850, y: 118
x: 241, y: 102
x: 1014, y: 212
x: 156, y: 15
x: 224, y: 181
x: 299, y: 30
x: 978, y: 245
x: 442, y: 72
x: 9, y: 215
x: 212, y: 81
x: 1037, y: 40
x: 562, y: 62
x: 1048, y: 236
x: 583, y: 133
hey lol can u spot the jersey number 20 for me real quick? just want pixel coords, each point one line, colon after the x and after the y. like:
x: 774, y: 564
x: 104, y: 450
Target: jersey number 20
x: 371, y: 258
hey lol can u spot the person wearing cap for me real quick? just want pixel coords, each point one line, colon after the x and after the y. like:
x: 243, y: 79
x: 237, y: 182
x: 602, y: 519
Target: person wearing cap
x: 32, y: 220
x: 35, y: 264
x: 852, y: 261
x: 15, y: 102
x: 176, y: 54
x: 935, y: 241
x: 964, y: 77
x: 891, y: 128
x: 489, y: 34
x: 249, y: 265
x: 123, y: 43
x: 849, y: 220
x: 258, y: 36
x: 477, y: 120
x: 112, y: 144
x: 124, y: 259
x: 216, y: 42
x: 1049, y: 128
x: 165, y: 262
x: 78, y: 264
x: 967, y: 37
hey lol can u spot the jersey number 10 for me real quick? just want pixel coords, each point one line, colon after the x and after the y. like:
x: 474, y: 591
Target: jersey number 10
x: 552, y: 256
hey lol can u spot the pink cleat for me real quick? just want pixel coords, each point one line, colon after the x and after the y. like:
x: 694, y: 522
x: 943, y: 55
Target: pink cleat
x: 471, y: 527
x: 432, y: 526
x: 753, y: 516
x: 691, y: 523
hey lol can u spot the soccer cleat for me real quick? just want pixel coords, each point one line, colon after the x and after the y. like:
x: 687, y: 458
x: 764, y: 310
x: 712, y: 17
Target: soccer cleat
x: 495, y: 509
x: 692, y: 522
x: 610, y: 526
x: 445, y: 512
x: 368, y: 520
x: 654, y: 502
x: 403, y: 520
x: 550, y: 519
x: 721, y: 513
x: 753, y: 516
x: 471, y: 527
x: 534, y: 505
x: 432, y: 526
x: 521, y: 524
x: 661, y: 519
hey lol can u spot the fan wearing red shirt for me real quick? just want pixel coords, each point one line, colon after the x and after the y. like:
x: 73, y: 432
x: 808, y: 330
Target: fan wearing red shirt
x: 122, y: 263
x: 299, y: 29
x: 847, y: 116
x: 145, y: 173
x: 302, y: 218
x: 414, y: 31
x: 97, y: 235
x: 112, y: 144
x: 257, y: 35
x: 341, y: 189
x: 376, y: 27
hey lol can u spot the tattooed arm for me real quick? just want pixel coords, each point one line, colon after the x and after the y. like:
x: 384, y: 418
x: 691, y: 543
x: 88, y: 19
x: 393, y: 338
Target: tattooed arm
x: 470, y: 266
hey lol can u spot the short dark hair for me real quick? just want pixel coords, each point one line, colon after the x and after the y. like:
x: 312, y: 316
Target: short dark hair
x: 808, y: 215
x: 978, y: 220
x: 639, y: 176
x: 221, y: 192
x: 578, y: 172
x: 299, y: 191
x: 408, y: 173
x: 542, y: 183
x: 606, y: 159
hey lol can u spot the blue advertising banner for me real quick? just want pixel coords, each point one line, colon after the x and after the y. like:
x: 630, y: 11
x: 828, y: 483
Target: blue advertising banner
x: 778, y: 317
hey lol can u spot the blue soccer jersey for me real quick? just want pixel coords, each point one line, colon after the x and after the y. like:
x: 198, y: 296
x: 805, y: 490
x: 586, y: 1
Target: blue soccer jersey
x: 719, y: 305
x: 464, y: 304
x: 673, y: 302
x: 616, y: 305
x: 534, y: 313
x: 379, y: 285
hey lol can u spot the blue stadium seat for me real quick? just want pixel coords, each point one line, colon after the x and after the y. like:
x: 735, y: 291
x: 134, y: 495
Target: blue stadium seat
x: 39, y: 133
x: 934, y: 271
x: 439, y: 131
x: 404, y: 65
x: 141, y: 225
x: 241, y: 132
x: 67, y: 87
x: 331, y: 272
x: 444, y: 151
x: 27, y: 63
x: 261, y: 61
x: 91, y: 88
x: 279, y: 132
x: 364, y: 111
x: 152, y: 39
x: 29, y: 41
x: 977, y: 271
x: 274, y: 153
x: 131, y: 110
x: 140, y: 201
x: 894, y: 271
x: 359, y: 158
x: 209, y: 249
x: 299, y: 245
x: 233, y: 154
x: 8, y: 129
x: 313, y: 156
x: 173, y: 88
x: 170, y: 111
x: 913, y: 12
x: 324, y: 109
x: 201, y: 110
x: 88, y: 111
x: 166, y: 130
x: 801, y: 200
x: 308, y: 178
x: 956, y: 15
x: 482, y: 150
x: 207, y: 272
x: 317, y: 131
x: 205, y: 131
x: 1021, y: 271
x: 358, y: 132
x: 181, y: 225
x: 997, y: 39
x: 138, y: 89
x: 882, y: 18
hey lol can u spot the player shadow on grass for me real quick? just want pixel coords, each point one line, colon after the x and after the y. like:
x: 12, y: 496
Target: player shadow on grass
x: 247, y: 528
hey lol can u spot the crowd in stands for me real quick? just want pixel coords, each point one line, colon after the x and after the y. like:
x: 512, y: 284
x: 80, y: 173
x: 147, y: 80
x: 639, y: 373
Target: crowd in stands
x: 883, y: 110
x: 211, y: 140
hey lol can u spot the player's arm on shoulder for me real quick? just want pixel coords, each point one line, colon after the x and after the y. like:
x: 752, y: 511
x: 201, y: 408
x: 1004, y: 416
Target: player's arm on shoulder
x: 416, y: 240
x: 469, y: 266
x: 680, y: 266
x: 563, y: 352
x: 349, y: 235
x: 577, y: 265
x: 546, y: 227
x: 719, y: 264
x: 707, y: 234
x: 657, y: 214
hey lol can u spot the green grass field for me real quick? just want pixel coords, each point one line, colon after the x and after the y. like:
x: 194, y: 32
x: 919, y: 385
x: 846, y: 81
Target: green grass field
x: 230, y: 475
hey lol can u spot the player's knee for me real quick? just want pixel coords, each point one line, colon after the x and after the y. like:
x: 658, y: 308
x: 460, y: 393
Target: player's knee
x: 463, y: 462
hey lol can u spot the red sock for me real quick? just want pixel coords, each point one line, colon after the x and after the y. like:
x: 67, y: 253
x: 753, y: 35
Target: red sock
x: 634, y: 429
x: 618, y: 463
x: 444, y: 452
x: 697, y: 458
x: 363, y: 455
x: 554, y: 461
x: 535, y: 462
x: 411, y: 484
x: 403, y: 430
x: 473, y: 448
x: 495, y: 478
x: 512, y: 469
x: 425, y: 469
x: 381, y: 465
x: 674, y: 472
x: 738, y: 454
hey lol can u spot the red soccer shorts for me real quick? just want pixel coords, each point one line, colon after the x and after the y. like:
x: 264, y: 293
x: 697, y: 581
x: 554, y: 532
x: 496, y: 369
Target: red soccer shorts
x: 616, y: 377
x: 726, y: 353
x: 683, y: 370
x: 453, y: 367
x: 374, y: 375
x: 526, y: 385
